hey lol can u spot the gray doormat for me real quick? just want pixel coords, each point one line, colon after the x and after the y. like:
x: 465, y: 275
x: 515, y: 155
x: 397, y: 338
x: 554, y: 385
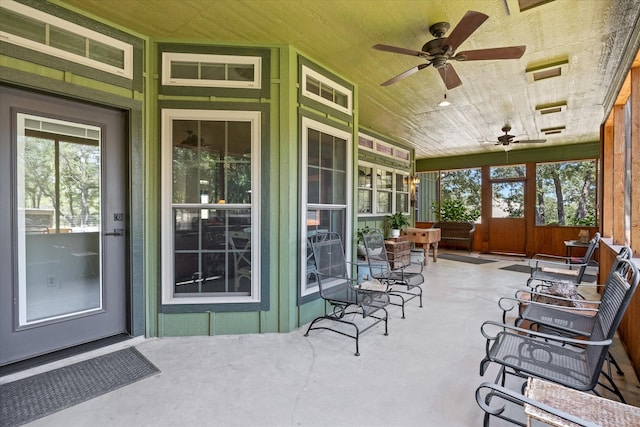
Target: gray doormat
x: 526, y: 269
x: 520, y: 268
x: 467, y: 259
x: 26, y: 400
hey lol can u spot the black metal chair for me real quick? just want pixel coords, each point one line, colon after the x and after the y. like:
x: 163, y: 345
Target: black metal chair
x: 345, y: 295
x: 573, y: 363
x: 404, y: 279
x: 551, y: 268
x: 566, y: 316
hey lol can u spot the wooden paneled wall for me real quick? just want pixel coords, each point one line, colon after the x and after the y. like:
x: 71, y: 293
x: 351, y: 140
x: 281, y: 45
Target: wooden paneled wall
x: 629, y: 330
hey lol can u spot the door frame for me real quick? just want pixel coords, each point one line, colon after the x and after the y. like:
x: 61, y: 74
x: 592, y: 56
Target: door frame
x: 136, y: 314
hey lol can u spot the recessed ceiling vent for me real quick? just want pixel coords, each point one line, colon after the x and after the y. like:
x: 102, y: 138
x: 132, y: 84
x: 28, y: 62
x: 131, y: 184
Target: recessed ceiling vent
x: 548, y: 70
x: 553, y: 107
x: 530, y: 4
x: 553, y: 130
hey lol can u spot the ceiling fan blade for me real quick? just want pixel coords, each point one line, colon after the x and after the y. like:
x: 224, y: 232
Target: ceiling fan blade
x: 511, y: 52
x: 467, y: 25
x: 449, y: 76
x: 407, y: 73
x: 530, y: 141
x: 401, y: 50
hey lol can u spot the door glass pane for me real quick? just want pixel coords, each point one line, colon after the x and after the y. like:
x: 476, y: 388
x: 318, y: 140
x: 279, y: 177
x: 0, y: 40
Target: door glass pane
x: 508, y: 200
x: 59, y: 214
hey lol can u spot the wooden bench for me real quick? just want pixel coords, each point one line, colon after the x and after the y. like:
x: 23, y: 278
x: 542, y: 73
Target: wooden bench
x: 456, y: 232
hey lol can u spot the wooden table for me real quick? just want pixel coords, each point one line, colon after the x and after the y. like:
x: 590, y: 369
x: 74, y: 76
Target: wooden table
x: 425, y: 237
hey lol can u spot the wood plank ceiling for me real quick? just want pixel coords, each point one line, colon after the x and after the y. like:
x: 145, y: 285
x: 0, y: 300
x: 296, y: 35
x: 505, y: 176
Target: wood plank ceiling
x: 593, y: 41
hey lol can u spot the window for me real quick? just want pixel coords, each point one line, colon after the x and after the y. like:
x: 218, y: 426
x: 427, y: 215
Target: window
x: 507, y: 189
x: 384, y: 191
x: 190, y: 69
x: 365, y: 189
x: 326, y: 91
x: 381, y: 190
x: 58, y: 169
x: 37, y: 30
x: 210, y: 206
x: 402, y: 192
x: 566, y: 193
x: 326, y: 158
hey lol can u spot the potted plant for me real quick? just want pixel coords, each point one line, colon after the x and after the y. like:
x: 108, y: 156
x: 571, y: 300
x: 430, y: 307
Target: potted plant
x: 397, y: 222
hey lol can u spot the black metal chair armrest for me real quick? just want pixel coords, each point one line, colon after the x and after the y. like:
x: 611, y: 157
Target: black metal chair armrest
x: 486, y: 391
x: 558, y: 298
x: 560, y: 339
x: 554, y: 262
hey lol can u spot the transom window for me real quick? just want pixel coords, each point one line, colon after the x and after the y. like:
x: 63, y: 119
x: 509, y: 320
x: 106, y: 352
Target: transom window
x: 190, y: 69
x: 210, y: 206
x: 31, y: 28
x: 326, y: 91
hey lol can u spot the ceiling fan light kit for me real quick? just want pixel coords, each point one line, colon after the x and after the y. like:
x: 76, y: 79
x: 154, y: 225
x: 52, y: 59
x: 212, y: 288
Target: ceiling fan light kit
x: 439, y: 51
x: 444, y: 102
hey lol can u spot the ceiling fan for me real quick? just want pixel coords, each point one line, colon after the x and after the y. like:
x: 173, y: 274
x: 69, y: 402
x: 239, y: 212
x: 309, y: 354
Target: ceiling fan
x: 507, y: 139
x: 439, y: 51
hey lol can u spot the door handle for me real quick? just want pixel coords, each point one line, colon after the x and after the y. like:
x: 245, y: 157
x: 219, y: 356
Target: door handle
x: 116, y: 232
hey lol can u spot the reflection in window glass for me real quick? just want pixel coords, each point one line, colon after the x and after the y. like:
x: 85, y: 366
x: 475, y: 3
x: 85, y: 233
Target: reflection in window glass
x: 566, y: 193
x: 365, y: 189
x: 58, y: 214
x: 327, y: 183
x: 211, y: 162
x: 211, y: 169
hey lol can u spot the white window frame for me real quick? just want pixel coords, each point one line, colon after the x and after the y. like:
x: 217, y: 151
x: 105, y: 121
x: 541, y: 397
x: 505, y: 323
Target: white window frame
x: 166, y: 224
x: 379, y: 147
x: 47, y: 19
x: 169, y: 57
x: 307, y: 124
x: 394, y: 191
x: 308, y: 72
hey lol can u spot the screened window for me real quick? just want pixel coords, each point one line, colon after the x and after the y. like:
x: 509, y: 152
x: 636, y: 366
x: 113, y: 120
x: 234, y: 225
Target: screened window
x: 210, y: 227
x: 566, y: 193
x: 460, y: 195
x: 326, y: 159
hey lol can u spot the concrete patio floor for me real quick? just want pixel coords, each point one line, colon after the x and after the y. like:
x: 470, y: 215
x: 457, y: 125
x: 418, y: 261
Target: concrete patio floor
x: 424, y: 373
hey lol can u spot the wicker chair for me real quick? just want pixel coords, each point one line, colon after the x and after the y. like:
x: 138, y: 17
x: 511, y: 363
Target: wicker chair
x: 345, y: 295
x: 574, y: 363
x: 555, y: 405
